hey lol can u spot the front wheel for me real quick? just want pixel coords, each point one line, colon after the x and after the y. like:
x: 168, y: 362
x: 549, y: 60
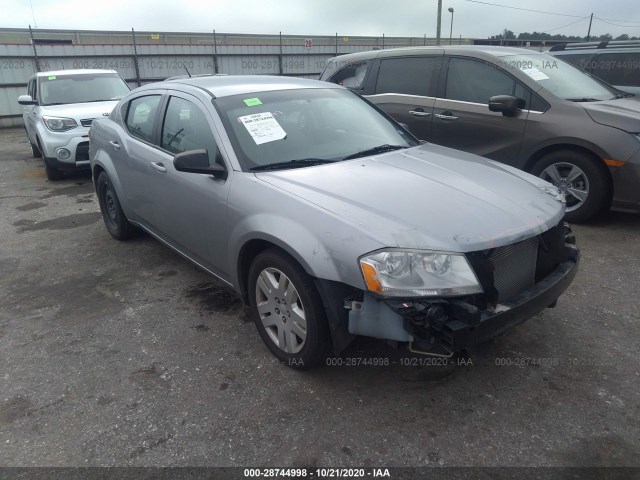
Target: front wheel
x: 53, y: 173
x: 583, y: 180
x: 112, y: 214
x: 35, y: 151
x: 288, y: 310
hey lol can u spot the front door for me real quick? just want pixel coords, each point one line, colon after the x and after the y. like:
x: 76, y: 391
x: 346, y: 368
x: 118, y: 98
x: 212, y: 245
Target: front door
x: 193, y: 206
x: 462, y: 119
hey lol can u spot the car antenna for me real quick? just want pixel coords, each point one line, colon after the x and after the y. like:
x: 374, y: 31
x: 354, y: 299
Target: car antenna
x: 187, y: 72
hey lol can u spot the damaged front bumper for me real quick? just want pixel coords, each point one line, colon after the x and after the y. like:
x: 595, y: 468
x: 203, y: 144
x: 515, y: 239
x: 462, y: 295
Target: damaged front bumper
x: 442, y: 326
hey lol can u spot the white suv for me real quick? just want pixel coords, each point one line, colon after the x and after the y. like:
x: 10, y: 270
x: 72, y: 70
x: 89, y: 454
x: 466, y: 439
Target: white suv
x: 58, y: 110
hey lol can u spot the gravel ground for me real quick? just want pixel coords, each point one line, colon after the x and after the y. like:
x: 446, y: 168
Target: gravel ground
x: 123, y: 354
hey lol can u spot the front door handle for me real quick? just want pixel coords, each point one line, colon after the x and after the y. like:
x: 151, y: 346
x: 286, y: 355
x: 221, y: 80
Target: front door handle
x: 114, y: 144
x: 159, y: 167
x: 446, y: 116
x: 419, y: 113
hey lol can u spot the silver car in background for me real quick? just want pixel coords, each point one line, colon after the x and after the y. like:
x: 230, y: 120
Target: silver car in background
x: 59, y: 107
x: 329, y: 218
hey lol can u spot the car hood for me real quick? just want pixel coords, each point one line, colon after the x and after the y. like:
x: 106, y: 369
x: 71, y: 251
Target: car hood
x: 623, y: 113
x: 80, y: 111
x: 428, y: 197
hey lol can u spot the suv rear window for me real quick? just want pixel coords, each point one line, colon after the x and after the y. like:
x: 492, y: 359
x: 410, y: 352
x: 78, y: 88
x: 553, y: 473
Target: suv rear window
x: 352, y: 76
x: 618, y: 68
x: 411, y: 75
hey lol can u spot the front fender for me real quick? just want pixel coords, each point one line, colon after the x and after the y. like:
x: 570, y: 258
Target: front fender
x: 317, y: 255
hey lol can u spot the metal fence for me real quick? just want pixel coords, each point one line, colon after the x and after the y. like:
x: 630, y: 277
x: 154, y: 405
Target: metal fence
x: 139, y: 61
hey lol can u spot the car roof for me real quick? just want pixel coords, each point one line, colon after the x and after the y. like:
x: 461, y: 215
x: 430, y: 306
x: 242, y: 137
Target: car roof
x: 226, y: 85
x: 578, y: 47
x: 473, y: 50
x: 59, y: 73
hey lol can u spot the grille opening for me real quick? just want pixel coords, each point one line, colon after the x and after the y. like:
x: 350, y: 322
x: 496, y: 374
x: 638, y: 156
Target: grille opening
x: 514, y: 267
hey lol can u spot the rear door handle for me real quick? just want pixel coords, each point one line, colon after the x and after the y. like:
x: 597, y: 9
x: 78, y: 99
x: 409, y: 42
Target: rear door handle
x: 159, y: 167
x: 446, y: 116
x: 114, y: 144
x: 418, y: 113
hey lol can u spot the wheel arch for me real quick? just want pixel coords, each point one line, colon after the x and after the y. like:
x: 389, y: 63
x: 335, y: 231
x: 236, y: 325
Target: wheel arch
x: 251, y: 249
x: 590, y: 150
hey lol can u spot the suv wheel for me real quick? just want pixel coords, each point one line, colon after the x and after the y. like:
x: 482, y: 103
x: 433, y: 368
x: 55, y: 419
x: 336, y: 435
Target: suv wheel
x: 35, y: 151
x: 287, y: 310
x: 582, y: 179
x: 52, y: 172
x: 112, y: 214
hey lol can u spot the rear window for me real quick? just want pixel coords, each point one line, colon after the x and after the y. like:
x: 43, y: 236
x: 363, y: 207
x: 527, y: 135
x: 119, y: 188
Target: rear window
x: 352, y: 76
x: 412, y: 75
x: 621, y: 69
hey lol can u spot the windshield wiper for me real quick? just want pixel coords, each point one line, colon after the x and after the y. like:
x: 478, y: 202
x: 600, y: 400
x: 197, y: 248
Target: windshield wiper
x: 303, y: 162
x: 623, y: 95
x: 585, y: 99
x: 374, y: 150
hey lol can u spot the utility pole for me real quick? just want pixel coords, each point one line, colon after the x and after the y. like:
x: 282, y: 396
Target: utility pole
x: 439, y: 20
x: 589, y: 33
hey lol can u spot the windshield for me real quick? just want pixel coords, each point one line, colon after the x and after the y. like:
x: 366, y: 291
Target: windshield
x: 305, y: 127
x: 560, y: 78
x: 81, y: 88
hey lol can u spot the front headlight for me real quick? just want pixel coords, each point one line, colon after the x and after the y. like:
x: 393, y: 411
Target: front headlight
x: 59, y: 124
x: 418, y: 273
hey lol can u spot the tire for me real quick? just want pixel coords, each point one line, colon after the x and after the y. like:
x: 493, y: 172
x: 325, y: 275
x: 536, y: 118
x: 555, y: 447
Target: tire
x: 112, y: 214
x: 290, y: 319
x: 53, y: 173
x: 35, y: 151
x: 582, y: 178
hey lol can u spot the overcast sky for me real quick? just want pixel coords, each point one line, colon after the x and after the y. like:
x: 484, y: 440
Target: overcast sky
x: 346, y: 17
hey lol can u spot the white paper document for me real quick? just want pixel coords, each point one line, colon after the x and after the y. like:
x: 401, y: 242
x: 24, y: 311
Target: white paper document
x: 263, y: 127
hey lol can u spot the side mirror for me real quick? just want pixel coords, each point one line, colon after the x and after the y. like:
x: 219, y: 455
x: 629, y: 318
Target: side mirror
x: 26, y: 100
x: 197, y: 161
x: 507, y: 104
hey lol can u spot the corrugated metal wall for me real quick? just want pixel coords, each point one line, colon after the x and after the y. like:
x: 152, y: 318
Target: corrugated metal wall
x: 230, y: 54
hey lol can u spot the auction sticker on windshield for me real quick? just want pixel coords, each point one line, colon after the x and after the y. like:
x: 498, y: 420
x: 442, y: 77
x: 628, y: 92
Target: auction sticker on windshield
x: 534, y: 73
x: 263, y: 127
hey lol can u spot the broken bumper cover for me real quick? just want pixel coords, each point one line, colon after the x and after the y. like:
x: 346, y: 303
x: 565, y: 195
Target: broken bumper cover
x: 458, y: 324
x: 459, y: 334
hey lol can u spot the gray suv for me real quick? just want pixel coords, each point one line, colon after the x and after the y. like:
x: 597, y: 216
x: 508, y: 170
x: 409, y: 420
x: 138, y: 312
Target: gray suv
x: 520, y: 107
x: 616, y: 62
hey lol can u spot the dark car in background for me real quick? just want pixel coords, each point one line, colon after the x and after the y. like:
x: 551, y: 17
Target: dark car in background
x: 616, y: 62
x: 517, y: 106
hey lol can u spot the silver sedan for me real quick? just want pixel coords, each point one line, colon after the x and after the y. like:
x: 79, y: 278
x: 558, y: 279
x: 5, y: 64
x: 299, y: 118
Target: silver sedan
x: 329, y: 218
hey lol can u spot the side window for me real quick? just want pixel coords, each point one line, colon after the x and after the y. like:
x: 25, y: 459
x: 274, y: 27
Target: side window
x: 30, y: 88
x: 352, y: 76
x: 476, y: 81
x: 524, y: 94
x: 412, y: 75
x: 141, y: 115
x: 582, y: 61
x: 185, y: 128
x: 618, y: 68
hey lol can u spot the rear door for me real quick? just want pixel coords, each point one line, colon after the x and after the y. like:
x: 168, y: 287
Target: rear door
x: 462, y: 118
x: 134, y: 153
x: 405, y: 88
